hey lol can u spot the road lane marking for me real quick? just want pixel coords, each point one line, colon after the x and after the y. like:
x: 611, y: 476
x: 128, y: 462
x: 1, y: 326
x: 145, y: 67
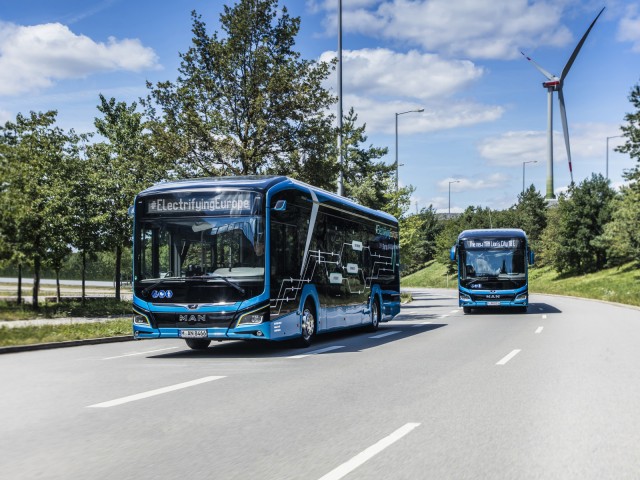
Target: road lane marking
x: 454, y: 311
x: 369, y: 453
x: 544, y: 317
x: 539, y: 329
x: 315, y: 352
x: 152, y: 393
x: 386, y: 334
x: 141, y: 353
x: 508, y: 357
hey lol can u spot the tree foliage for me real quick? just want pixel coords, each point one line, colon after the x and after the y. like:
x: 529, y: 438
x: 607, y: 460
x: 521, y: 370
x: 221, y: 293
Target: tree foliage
x: 245, y: 102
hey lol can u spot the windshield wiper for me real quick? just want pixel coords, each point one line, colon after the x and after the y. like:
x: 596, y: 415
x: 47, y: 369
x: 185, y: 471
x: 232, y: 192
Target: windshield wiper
x: 215, y: 275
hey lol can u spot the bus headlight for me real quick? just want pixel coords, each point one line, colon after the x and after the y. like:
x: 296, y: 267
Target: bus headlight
x: 141, y: 319
x: 521, y: 297
x: 252, y: 318
x: 464, y: 297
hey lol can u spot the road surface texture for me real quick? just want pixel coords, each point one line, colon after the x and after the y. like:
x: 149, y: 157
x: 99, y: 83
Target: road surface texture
x: 435, y: 394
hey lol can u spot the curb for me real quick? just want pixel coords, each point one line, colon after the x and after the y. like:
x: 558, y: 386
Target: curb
x: 71, y: 343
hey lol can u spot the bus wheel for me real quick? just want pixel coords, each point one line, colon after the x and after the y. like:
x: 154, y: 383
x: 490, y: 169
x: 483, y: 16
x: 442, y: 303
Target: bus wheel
x: 375, y: 316
x: 466, y: 309
x: 308, y: 324
x: 197, y: 343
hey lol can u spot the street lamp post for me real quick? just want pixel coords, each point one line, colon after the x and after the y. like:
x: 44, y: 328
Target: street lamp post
x: 523, y: 164
x: 340, y: 159
x: 607, y: 169
x: 397, y: 115
x: 453, y: 181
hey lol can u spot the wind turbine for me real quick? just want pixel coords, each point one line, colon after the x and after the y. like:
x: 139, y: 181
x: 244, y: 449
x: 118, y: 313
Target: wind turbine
x: 555, y: 84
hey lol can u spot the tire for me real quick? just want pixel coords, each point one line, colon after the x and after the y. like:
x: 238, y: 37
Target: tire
x: 197, y: 343
x: 307, y: 326
x: 466, y: 309
x: 374, y: 316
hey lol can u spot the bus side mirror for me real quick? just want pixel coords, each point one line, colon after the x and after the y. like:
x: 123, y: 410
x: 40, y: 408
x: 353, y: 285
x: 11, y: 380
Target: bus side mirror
x: 281, y: 206
x: 532, y: 257
x: 452, y: 253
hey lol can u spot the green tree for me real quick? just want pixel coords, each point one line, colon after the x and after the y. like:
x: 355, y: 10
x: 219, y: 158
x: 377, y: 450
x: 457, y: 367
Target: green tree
x: 418, y: 233
x: 33, y: 171
x: 126, y: 164
x: 245, y: 102
x: 531, y: 215
x: 573, y: 245
x: 631, y: 132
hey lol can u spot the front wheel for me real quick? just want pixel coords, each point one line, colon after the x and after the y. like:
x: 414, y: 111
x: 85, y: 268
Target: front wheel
x: 466, y: 309
x: 308, y: 326
x: 197, y: 343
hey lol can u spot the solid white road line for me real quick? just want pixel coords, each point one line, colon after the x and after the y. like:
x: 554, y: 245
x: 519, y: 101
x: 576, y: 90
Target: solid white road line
x: 152, y: 393
x: 369, y: 453
x: 539, y: 329
x: 315, y: 352
x: 141, y: 353
x: 386, y: 334
x: 508, y: 357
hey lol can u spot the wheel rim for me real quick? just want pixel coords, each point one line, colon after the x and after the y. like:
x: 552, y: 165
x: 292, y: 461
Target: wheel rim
x: 374, y: 314
x: 308, y: 322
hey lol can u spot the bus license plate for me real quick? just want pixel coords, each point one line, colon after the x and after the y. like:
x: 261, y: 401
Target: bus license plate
x: 493, y: 304
x: 193, y: 333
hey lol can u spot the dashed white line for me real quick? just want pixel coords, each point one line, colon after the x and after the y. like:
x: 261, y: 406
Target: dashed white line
x: 373, y: 450
x: 539, y: 329
x: 152, y: 393
x: 508, y: 357
x: 544, y: 317
x: 386, y: 334
x: 454, y: 311
x: 315, y: 352
x: 140, y: 353
x: 421, y: 324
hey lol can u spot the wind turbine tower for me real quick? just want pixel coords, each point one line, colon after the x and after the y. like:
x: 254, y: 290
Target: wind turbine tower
x: 555, y: 84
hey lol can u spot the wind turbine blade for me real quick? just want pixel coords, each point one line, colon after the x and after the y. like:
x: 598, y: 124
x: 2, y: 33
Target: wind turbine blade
x: 566, y: 68
x: 565, y: 129
x: 549, y: 76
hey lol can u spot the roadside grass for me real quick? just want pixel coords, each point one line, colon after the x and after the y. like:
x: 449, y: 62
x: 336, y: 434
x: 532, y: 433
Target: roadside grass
x: 619, y: 284
x: 93, y: 307
x: 63, y: 333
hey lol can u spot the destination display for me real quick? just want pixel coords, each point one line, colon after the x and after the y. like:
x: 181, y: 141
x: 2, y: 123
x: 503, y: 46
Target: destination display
x: 210, y: 203
x: 492, y: 243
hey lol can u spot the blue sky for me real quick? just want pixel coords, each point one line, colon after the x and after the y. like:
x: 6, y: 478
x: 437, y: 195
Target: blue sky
x: 485, y: 110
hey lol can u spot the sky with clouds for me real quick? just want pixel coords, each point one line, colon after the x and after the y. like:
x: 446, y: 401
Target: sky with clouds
x: 485, y: 110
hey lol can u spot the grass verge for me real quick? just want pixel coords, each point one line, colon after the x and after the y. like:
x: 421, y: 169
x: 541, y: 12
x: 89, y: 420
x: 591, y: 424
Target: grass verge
x: 62, y: 333
x: 94, y: 307
x: 619, y: 284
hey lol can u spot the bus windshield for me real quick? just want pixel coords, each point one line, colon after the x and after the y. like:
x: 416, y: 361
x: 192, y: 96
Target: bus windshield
x: 493, y: 268
x: 224, y: 251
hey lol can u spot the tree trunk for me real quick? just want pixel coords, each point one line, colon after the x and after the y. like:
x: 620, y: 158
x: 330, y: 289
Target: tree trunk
x: 36, y: 282
x: 84, y: 271
x: 118, y: 273
x: 58, y: 285
x: 20, y: 283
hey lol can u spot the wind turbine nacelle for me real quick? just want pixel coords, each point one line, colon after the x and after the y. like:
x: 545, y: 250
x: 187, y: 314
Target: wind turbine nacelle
x: 552, y: 84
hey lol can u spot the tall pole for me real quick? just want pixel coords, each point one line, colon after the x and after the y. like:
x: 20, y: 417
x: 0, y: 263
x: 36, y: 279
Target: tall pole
x: 397, y: 115
x: 550, y: 194
x: 341, y: 160
x: 454, y: 181
x: 607, y: 168
x: 523, y: 164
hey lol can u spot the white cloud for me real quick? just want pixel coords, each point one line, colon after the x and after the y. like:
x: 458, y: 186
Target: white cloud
x: 486, y: 29
x: 588, y: 143
x: 629, y: 28
x: 379, y: 83
x: 35, y: 57
x: 413, y: 74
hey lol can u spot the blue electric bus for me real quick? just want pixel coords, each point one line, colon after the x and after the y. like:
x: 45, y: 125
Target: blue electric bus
x: 493, y: 268
x: 259, y: 258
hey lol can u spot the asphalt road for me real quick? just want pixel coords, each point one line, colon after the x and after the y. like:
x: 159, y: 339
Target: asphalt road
x: 553, y: 393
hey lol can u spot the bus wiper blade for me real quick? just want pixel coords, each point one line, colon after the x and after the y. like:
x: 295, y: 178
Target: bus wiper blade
x: 215, y: 275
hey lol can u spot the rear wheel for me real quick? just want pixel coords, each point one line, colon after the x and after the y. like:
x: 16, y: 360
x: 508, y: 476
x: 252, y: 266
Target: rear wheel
x: 197, y: 343
x: 375, y: 316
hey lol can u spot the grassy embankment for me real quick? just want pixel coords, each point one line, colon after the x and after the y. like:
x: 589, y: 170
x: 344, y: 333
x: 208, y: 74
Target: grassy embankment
x: 620, y: 285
